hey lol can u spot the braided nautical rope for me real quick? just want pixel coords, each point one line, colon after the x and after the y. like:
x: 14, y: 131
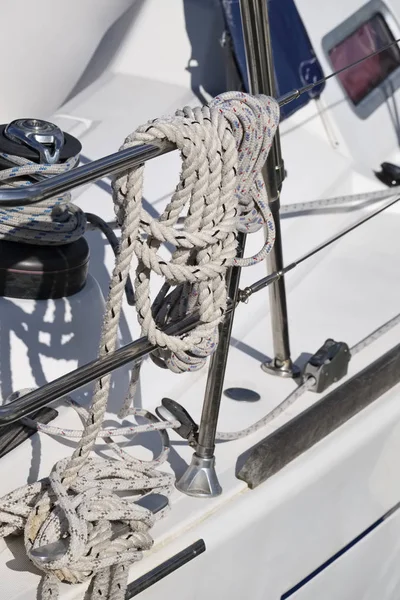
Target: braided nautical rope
x: 51, y: 222
x: 223, y: 147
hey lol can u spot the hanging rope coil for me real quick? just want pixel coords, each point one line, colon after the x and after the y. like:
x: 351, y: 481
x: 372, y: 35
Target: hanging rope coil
x: 223, y: 147
x: 51, y: 222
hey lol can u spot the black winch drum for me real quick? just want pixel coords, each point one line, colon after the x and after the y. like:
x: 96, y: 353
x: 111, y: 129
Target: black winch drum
x: 41, y: 272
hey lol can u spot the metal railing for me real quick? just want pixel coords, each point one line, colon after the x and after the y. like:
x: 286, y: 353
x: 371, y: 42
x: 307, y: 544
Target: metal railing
x: 96, y: 169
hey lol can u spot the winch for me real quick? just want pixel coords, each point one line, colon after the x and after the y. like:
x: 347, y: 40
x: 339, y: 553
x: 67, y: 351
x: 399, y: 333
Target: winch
x: 51, y: 260
x: 51, y: 309
x: 38, y: 141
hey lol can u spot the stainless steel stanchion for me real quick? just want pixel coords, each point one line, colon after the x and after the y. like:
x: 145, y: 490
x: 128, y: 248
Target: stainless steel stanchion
x: 260, y: 68
x: 200, y: 478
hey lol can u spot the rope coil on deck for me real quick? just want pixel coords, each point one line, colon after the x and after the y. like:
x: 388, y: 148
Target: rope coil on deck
x: 223, y: 148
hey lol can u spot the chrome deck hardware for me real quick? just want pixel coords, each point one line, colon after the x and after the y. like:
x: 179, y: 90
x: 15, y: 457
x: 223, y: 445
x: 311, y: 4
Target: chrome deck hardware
x: 44, y: 137
x: 87, y: 373
x: 202, y: 467
x: 200, y: 478
x: 260, y: 71
x: 107, y: 165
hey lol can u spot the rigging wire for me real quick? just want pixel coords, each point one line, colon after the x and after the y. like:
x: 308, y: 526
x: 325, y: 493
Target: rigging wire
x: 245, y: 294
x: 294, y: 94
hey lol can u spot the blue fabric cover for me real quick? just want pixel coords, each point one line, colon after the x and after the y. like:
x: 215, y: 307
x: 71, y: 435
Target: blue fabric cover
x: 294, y: 58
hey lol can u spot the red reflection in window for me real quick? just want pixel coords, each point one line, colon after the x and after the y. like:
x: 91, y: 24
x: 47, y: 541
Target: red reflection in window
x: 363, y: 78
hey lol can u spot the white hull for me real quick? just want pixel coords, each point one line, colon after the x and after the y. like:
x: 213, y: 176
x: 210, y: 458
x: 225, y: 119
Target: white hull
x: 266, y: 542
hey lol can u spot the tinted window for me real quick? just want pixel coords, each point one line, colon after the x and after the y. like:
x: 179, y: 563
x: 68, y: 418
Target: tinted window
x: 363, y: 78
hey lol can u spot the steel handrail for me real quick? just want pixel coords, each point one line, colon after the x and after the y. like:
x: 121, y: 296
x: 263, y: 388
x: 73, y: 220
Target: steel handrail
x: 92, y: 171
x: 88, y: 373
x: 96, y: 169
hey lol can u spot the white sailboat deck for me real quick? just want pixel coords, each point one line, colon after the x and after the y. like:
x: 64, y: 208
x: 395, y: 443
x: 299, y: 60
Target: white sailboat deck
x: 299, y: 518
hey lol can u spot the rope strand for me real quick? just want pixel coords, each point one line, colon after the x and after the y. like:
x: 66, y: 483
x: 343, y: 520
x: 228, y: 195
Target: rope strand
x: 50, y: 222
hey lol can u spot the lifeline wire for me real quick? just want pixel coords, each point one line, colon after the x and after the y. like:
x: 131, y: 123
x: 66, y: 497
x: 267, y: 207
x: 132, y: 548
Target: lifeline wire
x: 294, y: 94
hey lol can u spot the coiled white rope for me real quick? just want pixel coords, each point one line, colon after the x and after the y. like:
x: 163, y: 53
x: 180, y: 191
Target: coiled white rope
x: 51, y: 222
x: 103, y: 493
x: 223, y: 147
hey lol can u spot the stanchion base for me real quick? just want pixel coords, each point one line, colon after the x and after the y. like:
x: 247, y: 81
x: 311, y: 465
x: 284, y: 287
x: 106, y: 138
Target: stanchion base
x: 200, y: 479
x: 281, y: 369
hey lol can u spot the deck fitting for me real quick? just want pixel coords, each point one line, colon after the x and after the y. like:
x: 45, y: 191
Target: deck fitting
x: 200, y: 478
